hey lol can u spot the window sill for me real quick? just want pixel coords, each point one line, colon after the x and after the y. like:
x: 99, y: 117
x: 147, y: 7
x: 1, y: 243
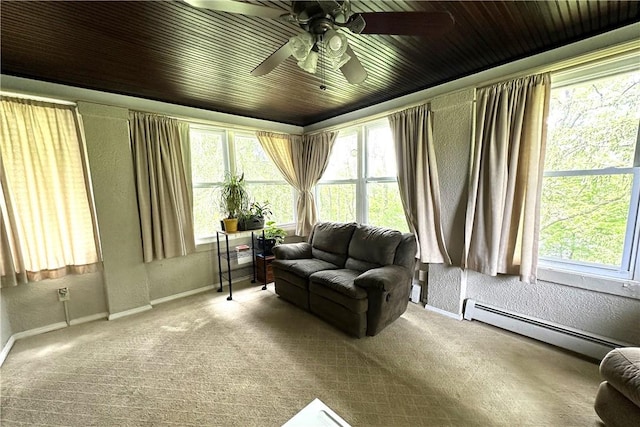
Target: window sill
x: 607, y: 285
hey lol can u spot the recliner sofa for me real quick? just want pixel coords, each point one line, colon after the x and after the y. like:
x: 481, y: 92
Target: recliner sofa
x: 356, y: 277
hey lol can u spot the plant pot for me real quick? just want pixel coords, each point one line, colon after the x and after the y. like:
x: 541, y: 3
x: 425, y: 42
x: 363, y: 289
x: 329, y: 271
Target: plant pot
x: 230, y: 225
x: 254, y: 223
x: 266, y: 245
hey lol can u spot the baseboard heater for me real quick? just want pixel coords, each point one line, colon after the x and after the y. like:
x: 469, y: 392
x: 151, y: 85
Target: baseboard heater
x: 562, y: 336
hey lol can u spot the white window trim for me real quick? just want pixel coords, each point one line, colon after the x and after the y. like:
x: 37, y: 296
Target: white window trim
x: 593, y: 277
x: 361, y: 181
x: 591, y: 282
x: 207, y: 243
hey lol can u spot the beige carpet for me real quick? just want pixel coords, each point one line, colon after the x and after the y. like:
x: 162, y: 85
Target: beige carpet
x: 257, y: 360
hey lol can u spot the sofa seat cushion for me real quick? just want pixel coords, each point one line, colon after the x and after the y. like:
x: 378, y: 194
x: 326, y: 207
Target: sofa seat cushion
x: 621, y: 368
x: 302, y: 267
x: 337, y: 286
x: 340, y: 281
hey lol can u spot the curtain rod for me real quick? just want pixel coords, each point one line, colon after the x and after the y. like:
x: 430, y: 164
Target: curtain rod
x: 37, y: 98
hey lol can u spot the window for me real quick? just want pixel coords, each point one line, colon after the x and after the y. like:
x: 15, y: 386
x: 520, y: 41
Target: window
x: 264, y: 180
x: 360, y: 183
x: 591, y: 180
x: 217, y: 151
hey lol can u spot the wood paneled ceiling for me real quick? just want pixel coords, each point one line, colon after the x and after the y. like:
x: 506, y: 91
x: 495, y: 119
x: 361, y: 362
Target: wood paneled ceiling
x: 173, y: 52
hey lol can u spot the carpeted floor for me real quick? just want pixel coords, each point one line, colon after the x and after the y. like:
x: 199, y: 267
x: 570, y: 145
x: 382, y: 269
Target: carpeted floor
x: 257, y: 360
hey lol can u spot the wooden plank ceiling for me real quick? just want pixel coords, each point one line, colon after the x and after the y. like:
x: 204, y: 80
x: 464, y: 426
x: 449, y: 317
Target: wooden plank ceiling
x: 173, y: 52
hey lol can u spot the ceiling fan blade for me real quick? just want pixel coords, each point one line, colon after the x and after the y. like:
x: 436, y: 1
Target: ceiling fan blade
x: 238, y: 7
x: 275, y: 59
x: 408, y: 23
x: 353, y: 70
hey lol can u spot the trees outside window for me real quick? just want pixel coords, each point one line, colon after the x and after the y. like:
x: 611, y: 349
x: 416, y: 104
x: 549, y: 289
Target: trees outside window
x: 360, y: 183
x: 217, y: 151
x: 591, y: 182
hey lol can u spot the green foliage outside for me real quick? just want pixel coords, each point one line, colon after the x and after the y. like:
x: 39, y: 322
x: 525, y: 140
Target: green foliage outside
x: 336, y: 199
x: 585, y: 206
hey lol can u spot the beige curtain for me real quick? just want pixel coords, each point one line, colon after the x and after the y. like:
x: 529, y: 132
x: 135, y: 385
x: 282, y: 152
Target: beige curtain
x: 502, y: 224
x: 46, y: 221
x: 302, y: 160
x: 164, y: 199
x: 412, y: 132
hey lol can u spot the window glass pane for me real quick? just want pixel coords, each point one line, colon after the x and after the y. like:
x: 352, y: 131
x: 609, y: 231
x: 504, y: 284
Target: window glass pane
x: 253, y: 161
x: 206, y: 212
x: 594, y: 125
x: 343, y: 163
x: 337, y: 202
x: 207, y: 156
x: 584, y: 218
x: 385, y: 207
x: 280, y: 198
x: 381, y: 154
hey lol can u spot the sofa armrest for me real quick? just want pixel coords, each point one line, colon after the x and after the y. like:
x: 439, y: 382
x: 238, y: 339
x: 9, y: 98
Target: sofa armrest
x: 383, y: 278
x: 300, y: 250
x: 387, y: 294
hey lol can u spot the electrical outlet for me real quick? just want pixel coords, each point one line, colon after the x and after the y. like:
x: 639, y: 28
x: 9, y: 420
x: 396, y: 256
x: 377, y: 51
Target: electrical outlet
x: 63, y: 294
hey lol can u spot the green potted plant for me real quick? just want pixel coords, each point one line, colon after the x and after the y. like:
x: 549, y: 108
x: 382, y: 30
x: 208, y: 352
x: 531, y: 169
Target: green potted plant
x: 256, y: 215
x: 233, y: 198
x: 273, y: 235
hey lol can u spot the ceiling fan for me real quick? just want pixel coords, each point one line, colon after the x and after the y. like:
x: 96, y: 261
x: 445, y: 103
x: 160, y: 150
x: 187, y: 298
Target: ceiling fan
x: 323, y: 22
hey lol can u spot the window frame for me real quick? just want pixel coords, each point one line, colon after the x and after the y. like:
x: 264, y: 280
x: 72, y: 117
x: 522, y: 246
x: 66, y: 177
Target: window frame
x: 228, y: 137
x: 616, y: 280
x: 363, y: 178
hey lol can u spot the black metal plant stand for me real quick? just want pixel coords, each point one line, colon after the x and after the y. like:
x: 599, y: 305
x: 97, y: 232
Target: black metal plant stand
x: 224, y: 253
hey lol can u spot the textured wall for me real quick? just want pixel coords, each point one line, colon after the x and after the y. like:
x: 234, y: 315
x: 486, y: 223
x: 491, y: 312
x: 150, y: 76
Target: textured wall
x: 445, y: 288
x: 602, y: 314
x: 35, y: 305
x: 5, y: 321
x: 107, y: 135
x: 452, y: 129
x: 175, y: 275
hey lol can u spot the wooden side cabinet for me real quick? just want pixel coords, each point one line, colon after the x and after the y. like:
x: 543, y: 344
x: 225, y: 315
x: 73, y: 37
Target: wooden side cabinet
x: 264, y: 273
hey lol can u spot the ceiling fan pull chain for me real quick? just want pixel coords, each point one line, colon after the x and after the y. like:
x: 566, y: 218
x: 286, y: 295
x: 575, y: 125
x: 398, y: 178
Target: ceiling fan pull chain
x: 323, y: 86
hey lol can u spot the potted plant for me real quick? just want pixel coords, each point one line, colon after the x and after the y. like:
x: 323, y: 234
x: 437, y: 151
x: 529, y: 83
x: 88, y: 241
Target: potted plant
x: 233, y: 198
x: 255, y: 216
x: 273, y: 235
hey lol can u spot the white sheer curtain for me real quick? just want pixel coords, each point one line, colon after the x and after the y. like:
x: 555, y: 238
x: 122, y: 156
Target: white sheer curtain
x: 46, y: 221
x: 164, y: 197
x: 302, y: 160
x: 412, y: 132
x: 502, y: 225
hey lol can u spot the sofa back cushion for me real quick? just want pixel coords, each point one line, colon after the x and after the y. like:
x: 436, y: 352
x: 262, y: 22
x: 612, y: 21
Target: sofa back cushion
x: 407, y: 250
x: 372, y: 247
x: 330, y: 241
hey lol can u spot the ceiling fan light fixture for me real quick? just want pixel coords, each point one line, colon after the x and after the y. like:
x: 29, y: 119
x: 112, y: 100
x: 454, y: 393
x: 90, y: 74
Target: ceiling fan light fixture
x: 310, y: 63
x: 301, y: 45
x: 335, y: 44
x: 337, y: 63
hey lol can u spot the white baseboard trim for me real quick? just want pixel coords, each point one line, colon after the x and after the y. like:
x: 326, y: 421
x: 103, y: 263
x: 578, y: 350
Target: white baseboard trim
x: 6, y: 349
x: 443, y: 312
x: 125, y: 313
x: 90, y: 318
x: 38, y: 331
x: 183, y: 294
x: 44, y: 329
